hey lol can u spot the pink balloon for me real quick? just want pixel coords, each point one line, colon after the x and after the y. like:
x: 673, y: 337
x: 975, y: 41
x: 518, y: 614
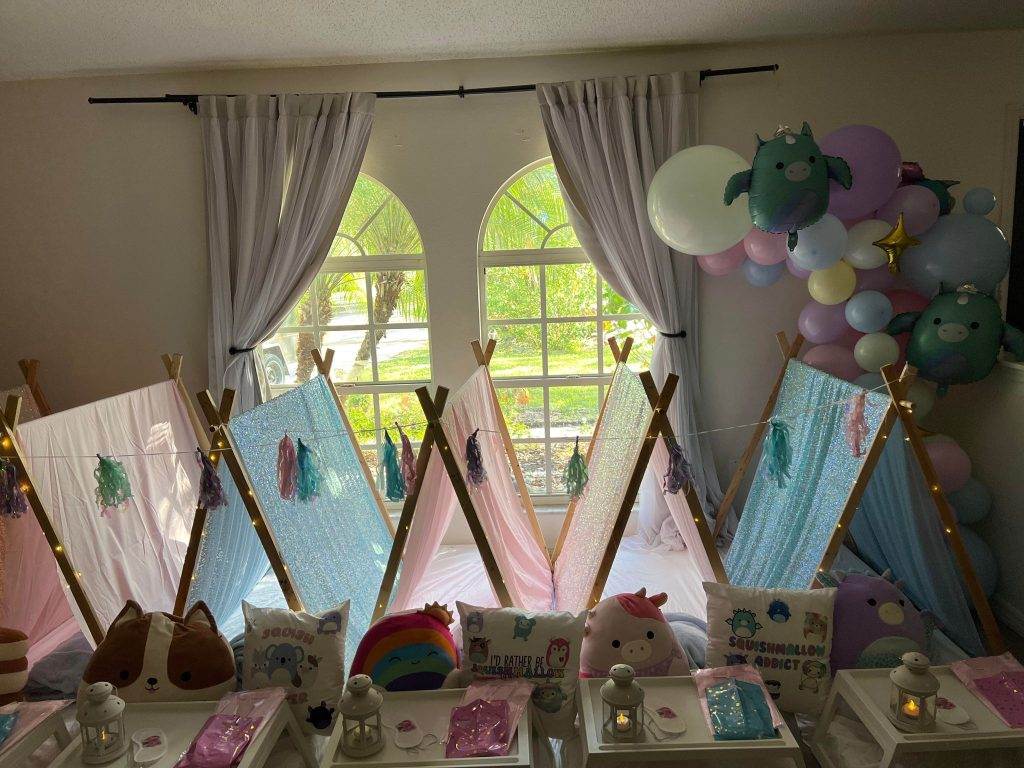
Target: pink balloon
x: 919, y: 206
x: 952, y: 465
x: 822, y: 323
x: 857, y: 220
x: 765, y: 248
x: 874, y: 161
x: 796, y: 271
x: 906, y: 301
x: 835, y: 360
x: 877, y: 279
x: 850, y: 337
x: 723, y: 262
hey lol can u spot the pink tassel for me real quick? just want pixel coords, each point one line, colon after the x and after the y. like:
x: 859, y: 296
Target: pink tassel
x: 408, y: 461
x: 287, y: 468
x: 855, y: 424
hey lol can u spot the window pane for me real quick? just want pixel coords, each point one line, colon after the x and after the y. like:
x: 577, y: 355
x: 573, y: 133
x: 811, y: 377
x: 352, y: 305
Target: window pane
x: 391, y: 231
x: 563, y: 237
x: 403, y: 354
x: 372, y: 460
x: 572, y: 348
x: 571, y: 290
x: 513, y: 293
x: 510, y: 228
x: 531, y: 459
x: 573, y: 411
x: 560, y: 455
x: 539, y: 193
x: 615, y: 304
x: 643, y: 335
x: 399, y: 297
x: 368, y: 195
x: 301, y: 313
x: 360, y: 413
x: 518, y: 352
x: 278, y: 353
x: 341, y: 298
x: 351, y: 355
x: 523, y: 408
x: 403, y: 407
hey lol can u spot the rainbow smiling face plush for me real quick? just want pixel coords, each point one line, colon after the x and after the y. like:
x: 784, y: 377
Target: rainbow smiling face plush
x: 408, y: 651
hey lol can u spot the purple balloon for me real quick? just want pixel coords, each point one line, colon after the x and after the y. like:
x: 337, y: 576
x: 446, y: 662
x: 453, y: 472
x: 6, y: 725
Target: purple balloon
x: 835, y: 360
x: 919, y: 206
x: 952, y: 465
x: 877, y: 279
x: 874, y: 161
x: 822, y: 323
x: 796, y: 271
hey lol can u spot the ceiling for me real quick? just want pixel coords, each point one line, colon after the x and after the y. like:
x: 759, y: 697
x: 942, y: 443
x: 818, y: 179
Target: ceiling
x: 59, y: 38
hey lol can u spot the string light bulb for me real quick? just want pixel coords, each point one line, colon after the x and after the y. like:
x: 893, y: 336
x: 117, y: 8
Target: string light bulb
x: 6, y: 442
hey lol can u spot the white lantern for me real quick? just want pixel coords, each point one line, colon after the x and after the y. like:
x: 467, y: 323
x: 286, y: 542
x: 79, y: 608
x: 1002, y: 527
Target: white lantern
x: 359, y: 709
x: 623, y: 705
x: 101, y: 717
x: 914, y: 690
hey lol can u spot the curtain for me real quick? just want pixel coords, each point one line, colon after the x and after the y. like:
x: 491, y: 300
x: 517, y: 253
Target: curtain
x: 607, y: 139
x: 279, y: 171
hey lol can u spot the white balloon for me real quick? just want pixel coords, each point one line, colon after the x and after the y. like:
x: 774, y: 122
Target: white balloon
x: 820, y: 245
x: 685, y: 201
x: 875, y: 350
x: 861, y: 253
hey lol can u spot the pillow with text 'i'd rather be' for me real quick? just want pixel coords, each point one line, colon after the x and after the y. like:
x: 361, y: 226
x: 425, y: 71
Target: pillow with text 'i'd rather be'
x: 786, y: 634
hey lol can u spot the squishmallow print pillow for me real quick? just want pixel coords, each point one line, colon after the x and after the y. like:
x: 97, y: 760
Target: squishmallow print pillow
x: 630, y: 629
x: 543, y: 648
x: 159, y: 657
x: 785, y: 633
x: 408, y: 651
x: 301, y: 652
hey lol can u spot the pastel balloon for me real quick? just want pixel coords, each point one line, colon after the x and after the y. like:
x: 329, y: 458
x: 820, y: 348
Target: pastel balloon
x: 875, y: 350
x: 685, y: 205
x: 833, y: 359
x: 821, y: 244
x: 869, y: 380
x: 957, y: 250
x: 724, y: 262
x: 906, y: 301
x: 832, y: 285
x: 922, y: 395
x: 796, y: 271
x: 877, y: 279
x: 850, y: 337
x: 762, y: 275
x: 822, y: 323
x: 861, y: 251
x: 868, y: 311
x: 972, y: 503
x: 986, y: 568
x: 979, y: 201
x: 919, y: 206
x: 952, y: 464
x: 765, y: 247
x: 874, y: 161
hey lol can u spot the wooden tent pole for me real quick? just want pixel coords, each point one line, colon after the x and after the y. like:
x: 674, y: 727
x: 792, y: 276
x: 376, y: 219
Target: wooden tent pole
x: 789, y: 352
x: 30, y: 370
x: 11, y: 451
x: 173, y: 364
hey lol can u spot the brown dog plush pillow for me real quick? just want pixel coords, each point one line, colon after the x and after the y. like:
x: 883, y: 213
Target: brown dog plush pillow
x: 159, y: 657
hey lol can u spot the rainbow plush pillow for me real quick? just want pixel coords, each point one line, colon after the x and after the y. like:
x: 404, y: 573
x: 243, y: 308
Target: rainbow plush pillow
x: 408, y: 651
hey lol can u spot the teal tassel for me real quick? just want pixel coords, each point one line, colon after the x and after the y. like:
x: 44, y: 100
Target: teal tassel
x: 778, y: 452
x: 575, y: 477
x: 394, y: 482
x: 309, y: 479
x: 112, y: 487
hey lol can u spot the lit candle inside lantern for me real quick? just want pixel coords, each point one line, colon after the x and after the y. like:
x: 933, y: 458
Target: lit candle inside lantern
x: 911, y: 708
x: 621, y: 722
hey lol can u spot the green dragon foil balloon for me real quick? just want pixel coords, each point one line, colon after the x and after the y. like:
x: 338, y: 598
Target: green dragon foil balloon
x: 957, y: 337
x: 788, y: 183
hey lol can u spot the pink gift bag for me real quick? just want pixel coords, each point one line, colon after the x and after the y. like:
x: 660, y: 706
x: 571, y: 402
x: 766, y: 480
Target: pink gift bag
x: 999, y: 682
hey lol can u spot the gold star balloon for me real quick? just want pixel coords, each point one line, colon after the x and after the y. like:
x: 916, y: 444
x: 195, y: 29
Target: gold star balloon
x: 895, y: 243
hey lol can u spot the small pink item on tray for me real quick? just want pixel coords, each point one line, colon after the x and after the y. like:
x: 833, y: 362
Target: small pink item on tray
x: 226, y: 735
x: 480, y: 728
x: 705, y: 678
x: 999, y: 682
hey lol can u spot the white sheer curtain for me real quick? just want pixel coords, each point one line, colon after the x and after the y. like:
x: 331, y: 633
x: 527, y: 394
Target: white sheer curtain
x: 607, y: 139
x: 279, y: 173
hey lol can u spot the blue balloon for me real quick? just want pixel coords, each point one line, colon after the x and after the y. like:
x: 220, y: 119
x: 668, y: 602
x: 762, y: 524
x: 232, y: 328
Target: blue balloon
x: 821, y: 245
x: 956, y: 250
x: 979, y: 200
x: 868, y: 311
x: 869, y: 380
x: 972, y: 503
x: 984, y: 561
x: 761, y: 275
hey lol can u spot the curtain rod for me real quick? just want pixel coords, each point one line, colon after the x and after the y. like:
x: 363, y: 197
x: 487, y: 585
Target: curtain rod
x: 191, y: 100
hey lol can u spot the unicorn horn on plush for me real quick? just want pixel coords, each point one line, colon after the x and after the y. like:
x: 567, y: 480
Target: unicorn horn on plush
x: 788, y: 182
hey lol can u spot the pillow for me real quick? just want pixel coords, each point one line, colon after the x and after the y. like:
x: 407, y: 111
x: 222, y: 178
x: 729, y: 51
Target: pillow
x: 159, y: 657
x: 301, y: 652
x: 13, y: 664
x: 875, y: 623
x: 57, y: 675
x: 692, y: 634
x: 408, y: 651
x: 785, y: 633
x: 541, y: 647
x: 630, y: 629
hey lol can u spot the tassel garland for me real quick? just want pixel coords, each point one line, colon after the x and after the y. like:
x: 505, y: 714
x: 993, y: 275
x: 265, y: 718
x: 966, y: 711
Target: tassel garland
x: 855, y: 424
x: 287, y: 468
x: 475, y: 472
x: 679, y: 474
x: 308, y: 480
x: 575, y: 477
x: 408, y: 460
x: 112, y: 487
x: 211, y: 490
x: 394, y: 482
x: 778, y: 452
x: 13, y: 503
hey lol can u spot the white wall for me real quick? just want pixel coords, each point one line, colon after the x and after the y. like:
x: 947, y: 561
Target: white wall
x: 102, y: 239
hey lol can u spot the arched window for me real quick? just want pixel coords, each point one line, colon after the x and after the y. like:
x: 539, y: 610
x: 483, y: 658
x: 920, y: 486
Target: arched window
x: 551, y: 314
x: 369, y: 304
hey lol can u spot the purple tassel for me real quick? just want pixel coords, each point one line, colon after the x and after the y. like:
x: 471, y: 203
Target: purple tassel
x: 13, y: 503
x: 211, y: 491
x: 287, y: 468
x: 475, y: 472
x: 408, y: 460
x: 679, y: 474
